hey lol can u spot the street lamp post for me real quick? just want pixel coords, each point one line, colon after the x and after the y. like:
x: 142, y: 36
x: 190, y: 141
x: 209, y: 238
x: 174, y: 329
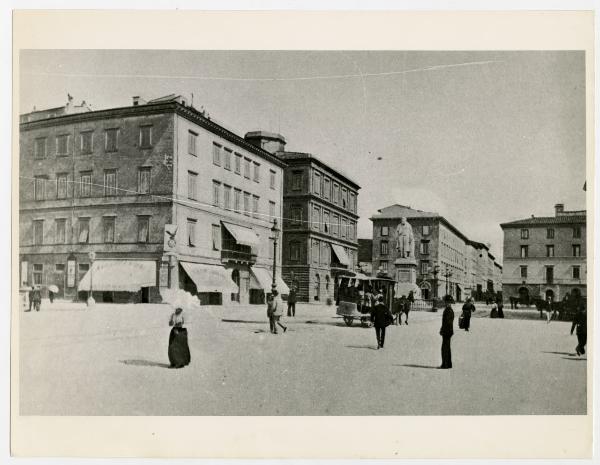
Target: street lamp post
x: 275, y: 230
x: 447, y: 275
x: 436, y: 270
x: 92, y: 257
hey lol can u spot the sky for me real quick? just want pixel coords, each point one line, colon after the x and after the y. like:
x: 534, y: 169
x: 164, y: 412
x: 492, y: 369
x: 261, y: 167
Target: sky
x: 479, y: 137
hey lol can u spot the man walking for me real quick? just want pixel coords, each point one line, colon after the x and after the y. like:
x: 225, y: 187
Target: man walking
x: 446, y: 331
x: 276, y: 312
x: 381, y: 317
x: 580, y: 322
x: 467, y: 309
x: 37, y: 298
x: 292, y: 302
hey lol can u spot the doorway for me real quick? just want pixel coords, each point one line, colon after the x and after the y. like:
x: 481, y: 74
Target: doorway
x: 317, y: 287
x: 523, y: 296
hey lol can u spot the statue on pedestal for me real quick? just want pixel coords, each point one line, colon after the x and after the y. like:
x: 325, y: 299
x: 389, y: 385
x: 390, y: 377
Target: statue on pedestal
x: 405, y: 241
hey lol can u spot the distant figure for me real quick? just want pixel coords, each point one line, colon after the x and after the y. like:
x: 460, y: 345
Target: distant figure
x: 548, y: 310
x: 411, y: 299
x: 367, y: 301
x: 381, y: 318
x: 500, y: 308
x: 37, y: 298
x: 580, y: 324
x: 446, y: 331
x: 467, y: 309
x: 276, y: 312
x: 179, y: 351
x: 494, y: 311
x: 30, y: 299
x: 402, y: 304
x: 291, y: 302
x: 406, y: 309
x: 51, y: 296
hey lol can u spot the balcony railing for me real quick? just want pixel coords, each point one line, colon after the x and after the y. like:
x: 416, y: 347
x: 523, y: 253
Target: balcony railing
x: 237, y: 256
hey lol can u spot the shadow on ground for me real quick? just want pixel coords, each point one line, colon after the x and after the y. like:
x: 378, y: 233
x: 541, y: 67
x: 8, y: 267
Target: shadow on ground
x: 362, y: 347
x: 413, y: 365
x: 572, y: 354
x: 145, y: 363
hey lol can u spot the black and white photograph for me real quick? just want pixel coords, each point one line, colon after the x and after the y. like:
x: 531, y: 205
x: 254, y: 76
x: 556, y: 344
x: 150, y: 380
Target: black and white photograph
x: 290, y: 233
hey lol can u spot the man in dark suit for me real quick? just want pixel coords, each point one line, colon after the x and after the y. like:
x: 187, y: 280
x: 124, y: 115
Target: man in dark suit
x: 381, y: 317
x: 580, y: 322
x: 446, y: 331
x: 291, y: 301
x: 467, y: 309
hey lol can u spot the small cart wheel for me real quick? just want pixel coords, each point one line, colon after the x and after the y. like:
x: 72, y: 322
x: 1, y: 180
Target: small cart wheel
x: 348, y: 320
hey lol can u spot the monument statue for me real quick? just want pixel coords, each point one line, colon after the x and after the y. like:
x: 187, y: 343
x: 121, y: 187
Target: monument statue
x: 405, y: 240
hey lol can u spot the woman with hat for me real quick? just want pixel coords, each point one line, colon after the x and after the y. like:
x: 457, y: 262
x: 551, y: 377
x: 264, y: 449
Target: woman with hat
x: 179, y: 351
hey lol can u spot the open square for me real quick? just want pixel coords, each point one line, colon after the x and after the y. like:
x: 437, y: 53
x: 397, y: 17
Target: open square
x: 112, y: 360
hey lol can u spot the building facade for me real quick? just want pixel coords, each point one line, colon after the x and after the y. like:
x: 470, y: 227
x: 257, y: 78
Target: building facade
x: 319, y: 228
x: 447, y: 261
x: 545, y: 256
x: 163, y: 197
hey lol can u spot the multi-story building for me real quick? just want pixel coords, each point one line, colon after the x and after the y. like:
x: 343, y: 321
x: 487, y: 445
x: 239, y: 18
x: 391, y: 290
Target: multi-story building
x: 447, y: 261
x: 160, y: 193
x: 319, y: 228
x: 545, y: 256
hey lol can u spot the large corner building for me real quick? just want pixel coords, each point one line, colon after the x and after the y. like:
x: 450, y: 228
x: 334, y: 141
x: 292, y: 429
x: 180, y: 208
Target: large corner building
x: 164, y: 196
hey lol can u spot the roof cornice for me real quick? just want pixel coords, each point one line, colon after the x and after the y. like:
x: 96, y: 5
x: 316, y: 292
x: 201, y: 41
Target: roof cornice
x: 152, y: 109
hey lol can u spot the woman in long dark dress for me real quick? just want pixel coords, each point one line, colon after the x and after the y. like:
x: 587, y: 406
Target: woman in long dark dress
x: 179, y: 351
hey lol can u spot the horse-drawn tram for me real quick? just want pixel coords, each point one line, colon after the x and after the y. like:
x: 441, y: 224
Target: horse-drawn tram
x: 358, y: 294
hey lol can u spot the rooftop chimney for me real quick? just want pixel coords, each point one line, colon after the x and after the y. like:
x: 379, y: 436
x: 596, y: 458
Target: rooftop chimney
x: 137, y: 100
x: 268, y: 141
x: 559, y: 208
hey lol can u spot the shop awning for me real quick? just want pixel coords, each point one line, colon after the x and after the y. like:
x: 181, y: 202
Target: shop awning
x: 119, y: 275
x: 338, y: 250
x: 242, y: 235
x: 263, y: 279
x: 210, y: 278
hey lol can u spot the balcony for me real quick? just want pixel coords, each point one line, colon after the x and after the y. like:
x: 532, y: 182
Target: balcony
x: 233, y: 252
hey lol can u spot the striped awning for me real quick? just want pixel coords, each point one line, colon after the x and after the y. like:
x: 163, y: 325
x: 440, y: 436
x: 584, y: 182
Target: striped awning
x: 340, y: 253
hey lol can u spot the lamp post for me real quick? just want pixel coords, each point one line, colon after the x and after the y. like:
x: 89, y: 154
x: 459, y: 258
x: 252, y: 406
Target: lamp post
x: 90, y: 300
x: 447, y: 275
x: 275, y: 230
x: 436, y: 270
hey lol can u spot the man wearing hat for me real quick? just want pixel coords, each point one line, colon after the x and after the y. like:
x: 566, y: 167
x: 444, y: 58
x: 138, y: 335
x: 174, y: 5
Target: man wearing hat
x: 446, y: 331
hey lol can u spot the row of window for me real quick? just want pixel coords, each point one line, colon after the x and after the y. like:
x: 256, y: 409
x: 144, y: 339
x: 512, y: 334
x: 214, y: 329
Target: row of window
x: 43, y: 184
x: 323, y: 186
x: 86, y: 142
x: 83, y: 230
x: 38, y: 271
x: 575, y: 248
x: 223, y: 156
x: 326, y: 222
x: 231, y: 198
x: 550, y: 233
x: 549, y: 272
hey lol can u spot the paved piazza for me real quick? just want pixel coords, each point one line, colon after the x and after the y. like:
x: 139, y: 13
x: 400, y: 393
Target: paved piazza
x: 112, y: 360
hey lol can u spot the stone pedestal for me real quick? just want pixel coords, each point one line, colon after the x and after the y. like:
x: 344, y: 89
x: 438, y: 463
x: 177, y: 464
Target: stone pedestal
x: 406, y: 277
